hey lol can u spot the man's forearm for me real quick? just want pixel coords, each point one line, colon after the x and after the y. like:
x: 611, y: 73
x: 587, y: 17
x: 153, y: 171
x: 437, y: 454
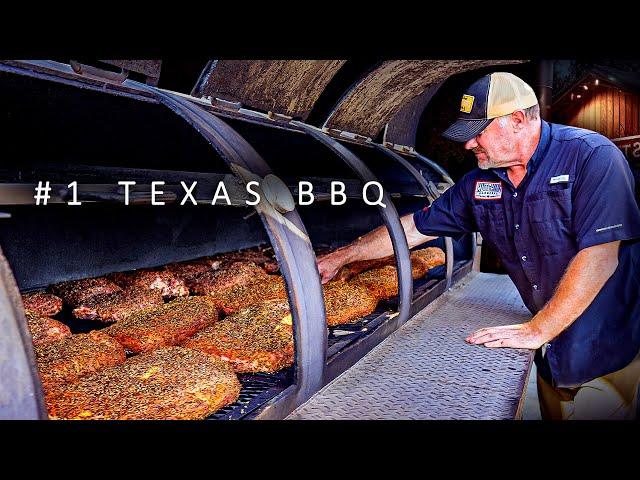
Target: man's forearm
x: 377, y: 243
x: 586, y: 275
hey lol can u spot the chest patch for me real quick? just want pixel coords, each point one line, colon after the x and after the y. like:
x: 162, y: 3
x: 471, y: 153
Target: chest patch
x: 488, y: 190
x: 559, y: 179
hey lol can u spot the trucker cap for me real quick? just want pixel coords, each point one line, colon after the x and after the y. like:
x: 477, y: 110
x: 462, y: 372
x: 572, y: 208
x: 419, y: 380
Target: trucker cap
x: 491, y: 96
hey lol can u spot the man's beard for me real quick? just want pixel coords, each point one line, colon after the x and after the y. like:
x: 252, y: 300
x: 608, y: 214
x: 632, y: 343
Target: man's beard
x: 486, y: 163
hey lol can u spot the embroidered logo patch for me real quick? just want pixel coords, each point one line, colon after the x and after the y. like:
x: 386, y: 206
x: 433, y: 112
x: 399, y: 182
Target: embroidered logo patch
x: 559, y: 179
x: 467, y: 103
x: 488, y: 190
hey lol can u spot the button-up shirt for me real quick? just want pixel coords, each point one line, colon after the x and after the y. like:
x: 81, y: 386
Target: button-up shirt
x: 578, y: 191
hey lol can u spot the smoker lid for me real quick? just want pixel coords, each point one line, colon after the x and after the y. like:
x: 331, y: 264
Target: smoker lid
x: 367, y: 107
x: 287, y: 87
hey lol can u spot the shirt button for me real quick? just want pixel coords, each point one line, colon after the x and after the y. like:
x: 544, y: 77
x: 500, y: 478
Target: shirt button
x: 517, y: 226
x: 524, y: 258
x: 535, y: 287
x: 515, y: 194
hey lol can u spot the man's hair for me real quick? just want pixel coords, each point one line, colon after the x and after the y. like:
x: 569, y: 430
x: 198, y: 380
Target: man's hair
x: 532, y: 113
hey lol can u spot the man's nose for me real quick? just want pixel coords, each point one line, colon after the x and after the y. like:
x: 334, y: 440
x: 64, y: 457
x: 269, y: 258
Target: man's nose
x: 469, y: 144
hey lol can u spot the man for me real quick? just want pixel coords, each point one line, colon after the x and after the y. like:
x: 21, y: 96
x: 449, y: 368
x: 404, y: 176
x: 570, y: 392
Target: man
x: 557, y: 205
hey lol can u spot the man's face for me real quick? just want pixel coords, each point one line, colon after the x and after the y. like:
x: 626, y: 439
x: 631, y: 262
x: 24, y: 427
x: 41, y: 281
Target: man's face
x: 494, y: 146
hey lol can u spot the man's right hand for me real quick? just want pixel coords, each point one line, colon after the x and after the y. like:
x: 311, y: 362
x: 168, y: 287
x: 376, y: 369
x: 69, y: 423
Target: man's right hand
x: 329, y: 264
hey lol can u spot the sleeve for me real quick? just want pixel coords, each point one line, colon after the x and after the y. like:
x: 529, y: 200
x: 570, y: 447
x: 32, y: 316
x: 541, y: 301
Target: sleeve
x: 449, y: 215
x: 604, y: 206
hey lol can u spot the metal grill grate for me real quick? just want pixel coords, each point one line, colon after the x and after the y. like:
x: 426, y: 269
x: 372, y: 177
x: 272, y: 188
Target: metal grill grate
x: 257, y: 389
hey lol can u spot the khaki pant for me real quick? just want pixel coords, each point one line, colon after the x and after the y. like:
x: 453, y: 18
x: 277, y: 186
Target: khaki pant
x: 610, y: 397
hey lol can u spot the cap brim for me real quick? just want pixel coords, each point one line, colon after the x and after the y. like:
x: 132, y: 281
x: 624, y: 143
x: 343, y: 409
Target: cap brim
x: 465, y: 130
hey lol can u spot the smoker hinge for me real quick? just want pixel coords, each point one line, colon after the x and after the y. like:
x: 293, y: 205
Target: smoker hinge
x: 98, y: 73
x: 400, y: 148
x: 222, y: 104
x: 278, y: 116
x: 354, y: 137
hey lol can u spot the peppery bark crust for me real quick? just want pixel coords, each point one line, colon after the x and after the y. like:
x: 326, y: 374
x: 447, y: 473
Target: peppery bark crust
x: 114, y: 307
x: 381, y: 282
x: 76, y: 292
x: 42, y: 303
x: 421, y: 262
x: 241, y: 296
x: 163, y: 280
x: 164, y: 325
x: 75, y: 356
x: 255, y: 339
x: 44, y: 329
x: 347, y: 302
x: 168, y: 384
x: 224, y: 279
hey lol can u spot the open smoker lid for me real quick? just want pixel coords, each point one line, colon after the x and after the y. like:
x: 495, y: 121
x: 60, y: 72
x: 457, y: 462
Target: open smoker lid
x: 374, y: 100
x: 286, y: 87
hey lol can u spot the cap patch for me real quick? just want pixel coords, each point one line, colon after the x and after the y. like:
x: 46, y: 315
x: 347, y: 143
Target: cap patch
x: 467, y: 103
x: 488, y: 190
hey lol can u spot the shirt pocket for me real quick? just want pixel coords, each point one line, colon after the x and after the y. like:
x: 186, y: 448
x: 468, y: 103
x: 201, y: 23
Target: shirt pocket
x: 492, y: 224
x: 549, y: 213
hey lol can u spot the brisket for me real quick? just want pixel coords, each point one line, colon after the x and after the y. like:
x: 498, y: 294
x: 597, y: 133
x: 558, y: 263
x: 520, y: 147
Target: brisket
x: 113, y: 307
x: 162, y: 280
x: 75, y: 356
x: 164, y: 325
x: 347, y: 302
x: 224, y: 279
x: 168, y: 384
x: 42, y: 303
x: 381, y: 282
x: 241, y: 296
x: 255, y: 339
x: 44, y: 329
x: 76, y: 292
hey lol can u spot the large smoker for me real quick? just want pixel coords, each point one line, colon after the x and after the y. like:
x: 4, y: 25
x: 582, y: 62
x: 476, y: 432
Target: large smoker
x: 244, y: 120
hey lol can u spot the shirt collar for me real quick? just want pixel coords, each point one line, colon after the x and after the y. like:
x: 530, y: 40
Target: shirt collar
x: 541, y: 149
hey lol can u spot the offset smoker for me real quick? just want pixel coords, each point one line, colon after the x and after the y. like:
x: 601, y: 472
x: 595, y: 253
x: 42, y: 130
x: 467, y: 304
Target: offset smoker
x: 99, y: 131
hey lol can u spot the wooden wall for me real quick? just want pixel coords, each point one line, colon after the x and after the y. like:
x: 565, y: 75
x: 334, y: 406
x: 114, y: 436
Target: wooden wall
x: 607, y: 110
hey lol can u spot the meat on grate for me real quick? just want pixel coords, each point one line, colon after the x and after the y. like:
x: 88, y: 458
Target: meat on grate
x: 421, y: 262
x: 347, y: 302
x: 114, y: 307
x: 222, y: 280
x: 381, y: 282
x: 255, y: 339
x: 240, y: 296
x: 164, y: 325
x: 431, y: 257
x: 75, y: 356
x: 257, y: 255
x: 169, y: 384
x: 44, y: 329
x: 42, y: 303
x: 76, y: 292
x: 186, y: 271
x: 162, y: 280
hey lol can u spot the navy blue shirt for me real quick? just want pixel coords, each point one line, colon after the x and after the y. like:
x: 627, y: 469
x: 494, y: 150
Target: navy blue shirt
x: 578, y: 192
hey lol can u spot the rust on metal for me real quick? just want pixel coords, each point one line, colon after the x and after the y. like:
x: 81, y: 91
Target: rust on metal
x: 150, y: 68
x: 285, y: 87
x: 373, y: 101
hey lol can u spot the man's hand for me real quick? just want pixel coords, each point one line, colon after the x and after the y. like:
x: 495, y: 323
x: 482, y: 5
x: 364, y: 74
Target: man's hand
x: 525, y: 335
x: 329, y: 264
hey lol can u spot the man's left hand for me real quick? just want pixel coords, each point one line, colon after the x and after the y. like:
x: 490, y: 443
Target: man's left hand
x: 524, y: 335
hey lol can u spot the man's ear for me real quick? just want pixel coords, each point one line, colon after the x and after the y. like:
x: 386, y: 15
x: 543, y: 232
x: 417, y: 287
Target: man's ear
x: 518, y: 120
